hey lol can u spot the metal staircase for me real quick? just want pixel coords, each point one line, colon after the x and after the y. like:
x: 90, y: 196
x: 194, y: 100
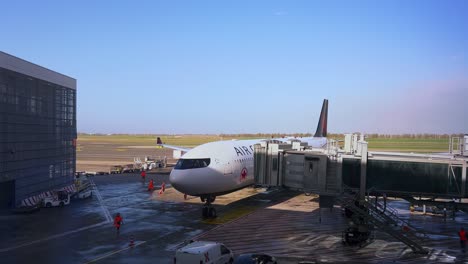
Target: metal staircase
x: 385, y: 219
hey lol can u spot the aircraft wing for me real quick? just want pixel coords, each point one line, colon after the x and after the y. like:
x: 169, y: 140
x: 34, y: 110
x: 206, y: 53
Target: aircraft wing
x: 160, y: 143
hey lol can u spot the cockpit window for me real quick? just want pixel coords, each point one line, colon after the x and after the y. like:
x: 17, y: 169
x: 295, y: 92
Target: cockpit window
x: 184, y: 164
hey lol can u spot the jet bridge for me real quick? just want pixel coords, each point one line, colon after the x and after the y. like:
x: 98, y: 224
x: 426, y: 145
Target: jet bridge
x: 325, y: 171
x: 346, y: 176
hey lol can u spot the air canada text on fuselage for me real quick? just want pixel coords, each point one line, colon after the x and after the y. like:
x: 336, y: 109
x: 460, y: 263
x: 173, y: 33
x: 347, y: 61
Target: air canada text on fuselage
x: 243, y: 150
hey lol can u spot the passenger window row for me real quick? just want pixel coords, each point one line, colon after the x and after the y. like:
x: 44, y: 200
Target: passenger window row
x: 242, y: 160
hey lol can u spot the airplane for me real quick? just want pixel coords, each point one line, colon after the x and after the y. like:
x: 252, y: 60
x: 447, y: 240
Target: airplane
x: 221, y: 167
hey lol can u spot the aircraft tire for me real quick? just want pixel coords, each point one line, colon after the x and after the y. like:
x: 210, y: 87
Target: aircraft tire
x: 212, y: 212
x: 205, y: 212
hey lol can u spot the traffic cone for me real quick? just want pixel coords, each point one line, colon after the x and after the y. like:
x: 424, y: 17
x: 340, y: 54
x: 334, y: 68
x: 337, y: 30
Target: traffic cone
x: 132, y: 241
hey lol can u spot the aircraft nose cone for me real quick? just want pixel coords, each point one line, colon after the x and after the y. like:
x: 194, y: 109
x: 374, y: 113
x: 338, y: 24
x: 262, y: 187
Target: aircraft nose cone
x: 196, y: 181
x: 176, y: 180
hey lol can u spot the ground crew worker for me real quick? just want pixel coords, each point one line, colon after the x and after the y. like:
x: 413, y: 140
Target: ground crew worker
x: 462, y: 235
x: 151, y: 185
x: 143, y: 175
x: 117, y: 222
x: 163, y: 188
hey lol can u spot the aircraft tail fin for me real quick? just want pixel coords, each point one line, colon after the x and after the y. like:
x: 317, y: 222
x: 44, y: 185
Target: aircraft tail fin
x: 160, y: 144
x: 322, y: 124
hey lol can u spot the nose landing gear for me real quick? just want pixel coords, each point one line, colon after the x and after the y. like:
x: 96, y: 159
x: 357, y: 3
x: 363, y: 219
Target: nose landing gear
x: 208, y: 210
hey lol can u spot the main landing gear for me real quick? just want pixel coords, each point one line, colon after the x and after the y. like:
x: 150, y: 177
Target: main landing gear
x: 208, y: 210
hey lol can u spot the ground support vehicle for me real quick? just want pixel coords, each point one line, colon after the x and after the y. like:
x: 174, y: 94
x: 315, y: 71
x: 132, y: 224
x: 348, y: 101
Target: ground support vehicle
x: 60, y: 198
x: 204, y: 252
x: 85, y: 193
x: 117, y: 169
x: 250, y: 258
x: 82, y: 182
x: 129, y: 168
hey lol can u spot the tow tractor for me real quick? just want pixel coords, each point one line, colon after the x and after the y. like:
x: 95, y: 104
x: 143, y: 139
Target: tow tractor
x: 60, y: 199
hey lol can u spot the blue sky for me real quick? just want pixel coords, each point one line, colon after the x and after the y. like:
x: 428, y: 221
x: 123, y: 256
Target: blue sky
x: 252, y: 66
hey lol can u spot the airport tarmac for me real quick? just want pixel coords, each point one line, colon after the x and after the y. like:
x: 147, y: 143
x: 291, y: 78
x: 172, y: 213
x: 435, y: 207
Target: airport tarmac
x: 286, y: 224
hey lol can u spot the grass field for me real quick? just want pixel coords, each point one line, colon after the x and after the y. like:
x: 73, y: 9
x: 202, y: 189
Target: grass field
x: 424, y: 145
x: 404, y: 144
x: 182, y: 140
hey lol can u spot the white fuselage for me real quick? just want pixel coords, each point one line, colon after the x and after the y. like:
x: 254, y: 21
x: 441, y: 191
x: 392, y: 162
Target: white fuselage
x: 220, y: 167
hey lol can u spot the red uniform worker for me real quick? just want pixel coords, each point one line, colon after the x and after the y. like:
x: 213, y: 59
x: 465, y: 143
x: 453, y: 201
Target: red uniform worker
x: 117, y: 222
x: 143, y: 174
x: 462, y: 235
x: 163, y: 188
x: 151, y: 185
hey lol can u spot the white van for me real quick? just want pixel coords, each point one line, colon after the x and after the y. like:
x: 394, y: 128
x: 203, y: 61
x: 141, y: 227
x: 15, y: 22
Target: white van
x: 204, y: 252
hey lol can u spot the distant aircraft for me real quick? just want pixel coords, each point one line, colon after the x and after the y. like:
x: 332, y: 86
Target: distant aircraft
x: 222, y: 167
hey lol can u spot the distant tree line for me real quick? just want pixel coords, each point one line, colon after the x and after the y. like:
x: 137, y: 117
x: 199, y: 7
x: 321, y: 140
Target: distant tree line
x: 340, y: 135
x: 266, y: 135
x: 415, y: 136
x: 280, y: 135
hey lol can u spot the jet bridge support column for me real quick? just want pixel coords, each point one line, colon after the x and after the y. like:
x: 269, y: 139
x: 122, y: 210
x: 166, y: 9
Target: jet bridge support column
x: 362, y: 187
x: 463, y: 187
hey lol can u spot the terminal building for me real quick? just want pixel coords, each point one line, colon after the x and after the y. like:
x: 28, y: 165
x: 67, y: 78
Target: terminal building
x: 37, y: 131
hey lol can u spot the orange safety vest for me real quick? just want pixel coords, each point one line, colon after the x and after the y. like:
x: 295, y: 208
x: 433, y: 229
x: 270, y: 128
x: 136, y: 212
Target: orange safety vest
x: 118, y: 221
x: 462, y: 235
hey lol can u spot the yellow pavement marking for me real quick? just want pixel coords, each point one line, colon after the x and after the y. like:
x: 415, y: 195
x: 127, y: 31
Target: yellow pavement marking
x: 230, y: 215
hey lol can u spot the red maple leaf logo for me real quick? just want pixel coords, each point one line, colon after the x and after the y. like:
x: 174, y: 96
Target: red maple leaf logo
x: 243, y: 174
